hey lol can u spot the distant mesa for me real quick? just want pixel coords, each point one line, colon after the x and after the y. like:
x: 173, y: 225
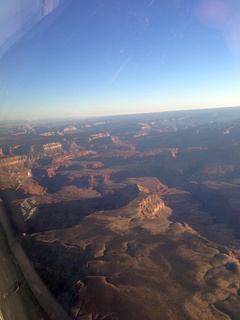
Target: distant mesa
x: 99, y: 136
x: 52, y: 145
x: 70, y: 129
x: 53, y: 148
x: 47, y: 134
x: 10, y: 161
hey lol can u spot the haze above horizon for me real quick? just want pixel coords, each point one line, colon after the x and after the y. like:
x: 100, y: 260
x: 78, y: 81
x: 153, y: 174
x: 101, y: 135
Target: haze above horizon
x: 97, y: 58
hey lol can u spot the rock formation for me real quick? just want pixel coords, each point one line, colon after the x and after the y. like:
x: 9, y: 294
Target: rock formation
x: 10, y: 161
x: 152, y: 206
x: 53, y: 148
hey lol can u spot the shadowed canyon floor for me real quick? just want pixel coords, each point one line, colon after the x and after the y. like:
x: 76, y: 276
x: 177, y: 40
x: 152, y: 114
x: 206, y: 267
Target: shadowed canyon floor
x: 133, y: 217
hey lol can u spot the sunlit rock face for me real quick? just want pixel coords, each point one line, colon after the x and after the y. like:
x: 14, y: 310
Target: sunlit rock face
x: 53, y: 148
x: 151, y: 206
x: 13, y: 160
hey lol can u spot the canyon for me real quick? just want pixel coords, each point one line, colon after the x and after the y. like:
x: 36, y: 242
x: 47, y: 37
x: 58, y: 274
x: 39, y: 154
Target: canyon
x: 130, y: 217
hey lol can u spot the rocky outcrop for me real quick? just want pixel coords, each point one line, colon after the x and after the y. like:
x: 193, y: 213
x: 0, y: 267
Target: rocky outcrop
x: 75, y: 148
x: 51, y: 172
x: 13, y: 160
x: 53, y: 145
x: 95, y: 181
x: 53, y: 148
x: 150, y: 206
x: 70, y: 129
x: 32, y: 187
x: 99, y: 136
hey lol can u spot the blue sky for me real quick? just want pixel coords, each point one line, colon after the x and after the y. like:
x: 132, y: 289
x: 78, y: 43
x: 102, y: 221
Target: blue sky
x: 101, y: 57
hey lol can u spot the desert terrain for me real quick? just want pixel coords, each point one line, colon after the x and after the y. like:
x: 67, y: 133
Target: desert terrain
x: 129, y: 217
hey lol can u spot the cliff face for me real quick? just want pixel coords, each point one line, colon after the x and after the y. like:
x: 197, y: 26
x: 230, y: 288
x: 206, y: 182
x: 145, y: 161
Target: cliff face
x: 50, y: 146
x: 53, y: 148
x: 13, y: 160
x: 32, y: 187
x: 99, y: 136
x: 151, y: 207
x: 75, y: 148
